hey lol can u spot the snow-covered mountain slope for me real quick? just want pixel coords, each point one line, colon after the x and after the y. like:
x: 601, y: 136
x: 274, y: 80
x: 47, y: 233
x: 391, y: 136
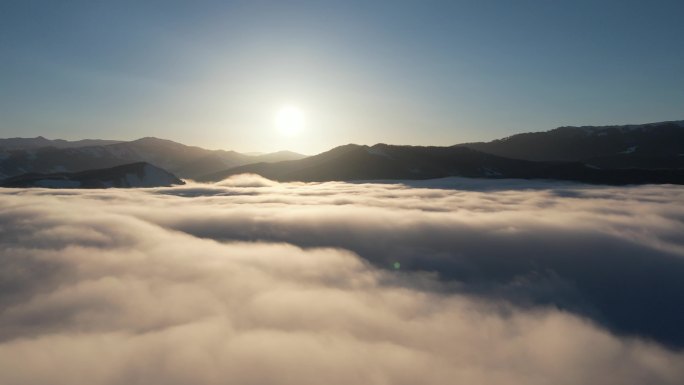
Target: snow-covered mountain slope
x: 127, y: 176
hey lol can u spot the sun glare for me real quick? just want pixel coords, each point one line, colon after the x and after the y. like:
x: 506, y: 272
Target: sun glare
x: 289, y: 120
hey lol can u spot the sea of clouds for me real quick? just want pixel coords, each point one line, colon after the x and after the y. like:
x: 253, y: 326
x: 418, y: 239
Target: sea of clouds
x: 250, y: 281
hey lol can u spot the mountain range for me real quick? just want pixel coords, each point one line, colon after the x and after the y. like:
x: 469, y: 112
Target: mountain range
x: 382, y: 161
x: 39, y: 155
x: 629, y: 154
x: 39, y: 142
x: 653, y: 145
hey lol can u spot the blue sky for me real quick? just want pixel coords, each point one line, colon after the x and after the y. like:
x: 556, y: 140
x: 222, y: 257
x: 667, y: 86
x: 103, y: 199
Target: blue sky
x: 215, y: 73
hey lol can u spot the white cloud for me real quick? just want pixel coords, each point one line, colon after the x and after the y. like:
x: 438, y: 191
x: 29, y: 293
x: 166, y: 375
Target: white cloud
x: 209, y: 284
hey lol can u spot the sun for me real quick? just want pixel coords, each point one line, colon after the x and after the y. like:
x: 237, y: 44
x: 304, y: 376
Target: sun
x: 289, y: 120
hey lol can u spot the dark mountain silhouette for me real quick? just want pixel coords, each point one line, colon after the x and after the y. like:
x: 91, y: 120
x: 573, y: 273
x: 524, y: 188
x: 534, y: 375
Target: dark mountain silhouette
x: 382, y: 161
x: 131, y: 175
x: 623, y: 153
x: 184, y: 161
x: 653, y: 145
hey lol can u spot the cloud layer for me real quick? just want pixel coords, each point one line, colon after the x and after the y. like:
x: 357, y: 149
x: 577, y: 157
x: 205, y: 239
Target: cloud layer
x: 254, y: 282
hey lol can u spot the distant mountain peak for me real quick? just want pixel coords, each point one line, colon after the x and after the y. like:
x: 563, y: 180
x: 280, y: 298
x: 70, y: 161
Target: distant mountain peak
x: 153, y: 140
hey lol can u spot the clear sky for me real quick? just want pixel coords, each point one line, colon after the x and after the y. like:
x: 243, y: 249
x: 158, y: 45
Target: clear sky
x: 216, y: 73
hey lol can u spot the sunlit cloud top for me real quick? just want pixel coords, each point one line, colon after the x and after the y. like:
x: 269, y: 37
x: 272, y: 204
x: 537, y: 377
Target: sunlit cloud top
x: 258, y: 282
